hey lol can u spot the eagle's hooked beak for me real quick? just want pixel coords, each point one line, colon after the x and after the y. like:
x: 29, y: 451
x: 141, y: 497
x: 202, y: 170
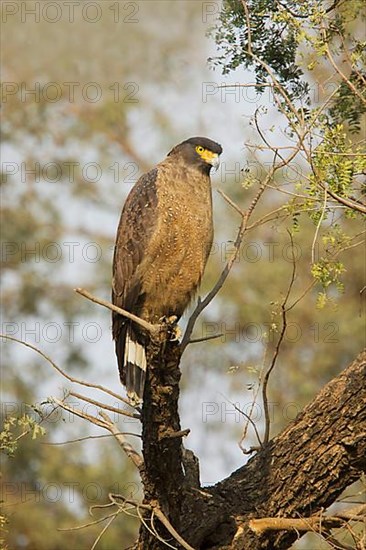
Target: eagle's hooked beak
x: 215, y: 161
x: 210, y: 158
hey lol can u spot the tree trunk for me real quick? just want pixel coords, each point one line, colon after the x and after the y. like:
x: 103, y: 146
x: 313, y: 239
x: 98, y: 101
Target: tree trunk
x: 162, y: 444
x: 302, y: 471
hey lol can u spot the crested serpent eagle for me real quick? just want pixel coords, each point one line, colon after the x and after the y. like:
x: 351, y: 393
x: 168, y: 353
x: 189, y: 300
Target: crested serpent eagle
x: 163, y: 241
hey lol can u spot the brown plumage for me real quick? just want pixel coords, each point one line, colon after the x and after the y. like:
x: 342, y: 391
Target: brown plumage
x: 163, y: 241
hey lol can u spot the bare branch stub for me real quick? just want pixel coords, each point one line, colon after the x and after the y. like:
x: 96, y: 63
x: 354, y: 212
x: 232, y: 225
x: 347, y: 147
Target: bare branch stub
x: 312, y: 523
x: 152, y: 329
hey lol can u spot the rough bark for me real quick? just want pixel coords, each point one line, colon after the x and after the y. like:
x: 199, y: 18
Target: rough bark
x: 302, y: 471
x: 162, y: 444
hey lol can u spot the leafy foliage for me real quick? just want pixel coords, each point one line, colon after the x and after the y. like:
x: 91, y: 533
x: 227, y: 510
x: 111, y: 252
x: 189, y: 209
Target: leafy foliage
x: 272, y: 41
x: 347, y: 106
x: 291, y: 39
x: 9, y: 439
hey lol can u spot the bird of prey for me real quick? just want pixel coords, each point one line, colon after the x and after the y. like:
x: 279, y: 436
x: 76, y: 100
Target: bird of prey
x: 163, y: 241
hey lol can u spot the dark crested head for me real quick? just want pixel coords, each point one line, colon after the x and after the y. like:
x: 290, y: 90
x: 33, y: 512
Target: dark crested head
x: 200, y: 152
x: 205, y: 143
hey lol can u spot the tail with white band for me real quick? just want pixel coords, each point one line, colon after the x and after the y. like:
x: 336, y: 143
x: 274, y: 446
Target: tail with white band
x: 134, y: 367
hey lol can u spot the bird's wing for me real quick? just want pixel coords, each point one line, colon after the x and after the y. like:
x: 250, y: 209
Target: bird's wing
x: 136, y: 226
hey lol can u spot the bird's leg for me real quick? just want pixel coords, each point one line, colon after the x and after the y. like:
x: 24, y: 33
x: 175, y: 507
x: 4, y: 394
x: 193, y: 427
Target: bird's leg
x: 172, y: 327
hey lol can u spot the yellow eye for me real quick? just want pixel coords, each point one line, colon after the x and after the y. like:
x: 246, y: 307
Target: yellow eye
x: 199, y: 149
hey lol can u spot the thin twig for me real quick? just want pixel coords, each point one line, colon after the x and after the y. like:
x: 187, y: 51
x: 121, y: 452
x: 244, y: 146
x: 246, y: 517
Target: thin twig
x: 126, y: 446
x: 353, y: 513
x: 264, y: 219
x: 263, y: 137
x: 247, y: 416
x: 336, y: 545
x: 109, y: 522
x: 86, y: 438
x: 351, y: 86
x: 113, y: 497
x: 155, y: 508
x: 347, y: 202
x: 302, y: 295
x: 248, y: 85
x: 169, y: 527
x: 155, y: 532
x: 63, y: 373
x: 318, y: 228
x: 205, y: 338
x: 103, y: 405
x: 231, y: 202
x: 305, y: 15
x: 79, y: 413
x: 247, y: 17
x: 153, y: 329
x: 152, y: 529
x: 78, y: 527
x: 337, y: 154
x: 282, y: 91
x: 297, y: 195
x: 277, y: 349
x: 350, y: 62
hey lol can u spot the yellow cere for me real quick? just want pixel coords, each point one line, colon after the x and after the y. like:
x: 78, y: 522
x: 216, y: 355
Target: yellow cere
x: 205, y: 154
